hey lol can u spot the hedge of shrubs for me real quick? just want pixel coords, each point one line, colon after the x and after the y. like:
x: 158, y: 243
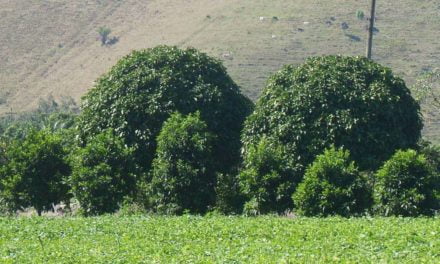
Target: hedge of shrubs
x: 163, y: 130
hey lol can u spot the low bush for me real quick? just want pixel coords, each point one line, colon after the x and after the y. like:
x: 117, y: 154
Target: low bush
x: 332, y: 185
x: 263, y: 180
x: 104, y: 33
x: 407, y: 185
x: 360, y: 15
x: 34, y: 172
x: 103, y: 174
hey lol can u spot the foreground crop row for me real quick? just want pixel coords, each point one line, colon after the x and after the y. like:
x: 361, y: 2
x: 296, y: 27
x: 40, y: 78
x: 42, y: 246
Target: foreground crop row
x: 140, y: 239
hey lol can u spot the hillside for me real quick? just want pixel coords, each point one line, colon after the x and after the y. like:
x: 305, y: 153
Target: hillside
x: 52, y: 47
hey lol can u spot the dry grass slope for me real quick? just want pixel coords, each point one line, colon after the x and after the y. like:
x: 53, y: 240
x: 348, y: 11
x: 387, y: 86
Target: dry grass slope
x: 52, y: 47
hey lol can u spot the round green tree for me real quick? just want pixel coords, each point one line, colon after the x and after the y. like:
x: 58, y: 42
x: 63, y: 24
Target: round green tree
x: 144, y: 88
x: 348, y: 102
x: 34, y: 172
x: 103, y: 174
x: 332, y: 185
x: 407, y: 185
x: 183, y: 177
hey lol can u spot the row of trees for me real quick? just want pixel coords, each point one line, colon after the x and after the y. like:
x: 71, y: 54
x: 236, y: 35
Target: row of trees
x: 169, y: 130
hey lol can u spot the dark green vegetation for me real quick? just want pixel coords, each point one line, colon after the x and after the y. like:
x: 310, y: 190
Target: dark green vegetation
x: 431, y: 153
x: 110, y: 239
x: 160, y: 133
x: 332, y: 185
x: 103, y: 174
x: 263, y: 179
x: 183, y: 175
x: 407, y: 185
x: 34, y: 172
x: 141, y: 92
x: 144, y: 88
x: 350, y: 102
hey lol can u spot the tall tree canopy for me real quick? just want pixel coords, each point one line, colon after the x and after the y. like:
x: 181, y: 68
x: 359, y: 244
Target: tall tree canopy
x: 348, y: 102
x: 142, y: 90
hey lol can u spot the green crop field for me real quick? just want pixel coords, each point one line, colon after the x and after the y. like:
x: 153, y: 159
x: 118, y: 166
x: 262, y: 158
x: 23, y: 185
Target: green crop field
x: 217, y: 239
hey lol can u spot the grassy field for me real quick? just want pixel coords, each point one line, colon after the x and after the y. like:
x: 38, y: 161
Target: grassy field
x: 190, y: 239
x: 52, y: 47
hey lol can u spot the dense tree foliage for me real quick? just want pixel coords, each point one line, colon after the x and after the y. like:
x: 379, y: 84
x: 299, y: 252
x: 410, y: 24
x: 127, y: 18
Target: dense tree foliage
x: 144, y: 88
x: 103, y: 174
x: 407, y: 185
x: 349, y: 102
x: 34, y: 172
x: 332, y: 185
x: 162, y: 129
x: 183, y: 176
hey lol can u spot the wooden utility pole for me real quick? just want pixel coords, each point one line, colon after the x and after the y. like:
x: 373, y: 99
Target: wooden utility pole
x: 371, y: 28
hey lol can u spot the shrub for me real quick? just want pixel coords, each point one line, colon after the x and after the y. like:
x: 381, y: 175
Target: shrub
x: 360, y: 15
x: 183, y: 177
x: 103, y: 174
x: 143, y: 89
x: 406, y: 185
x: 332, y: 185
x: 263, y: 179
x: 348, y: 102
x: 34, y: 172
x: 104, y: 33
